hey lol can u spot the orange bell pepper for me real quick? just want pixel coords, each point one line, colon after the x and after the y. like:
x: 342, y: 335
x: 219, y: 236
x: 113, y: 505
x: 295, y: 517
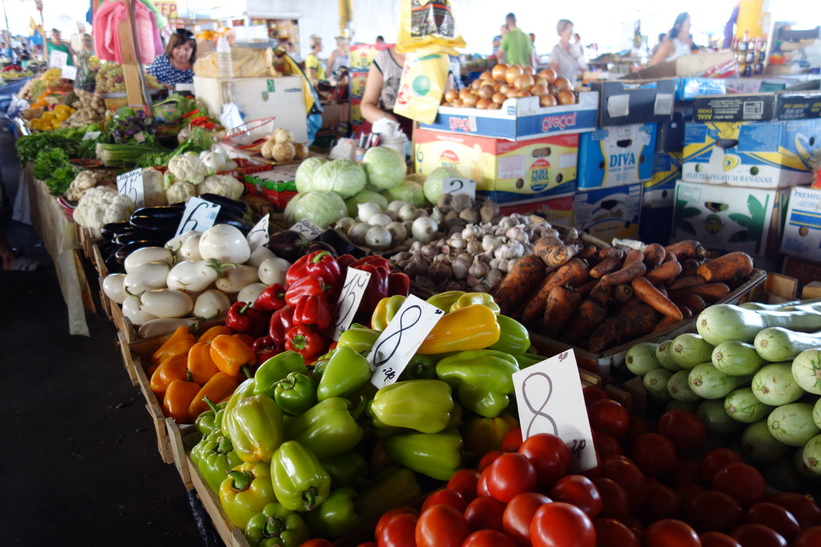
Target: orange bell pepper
x: 218, y: 388
x: 200, y: 364
x: 178, y: 399
x: 212, y: 333
x: 179, y: 342
x: 231, y: 354
x: 173, y: 368
x: 246, y: 338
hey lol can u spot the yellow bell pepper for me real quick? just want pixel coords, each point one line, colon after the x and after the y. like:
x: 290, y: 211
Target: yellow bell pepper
x: 472, y: 327
x: 469, y: 299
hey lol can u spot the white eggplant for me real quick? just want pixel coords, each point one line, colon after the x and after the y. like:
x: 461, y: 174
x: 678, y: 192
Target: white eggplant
x: 212, y: 304
x: 166, y: 303
x: 273, y: 270
x: 132, y: 309
x: 113, y: 287
x: 160, y: 326
x: 175, y: 244
x: 147, y: 254
x: 225, y: 243
x: 234, y: 279
x: 259, y: 256
x: 151, y: 275
x: 250, y: 292
x: 194, y: 276
x: 190, y: 249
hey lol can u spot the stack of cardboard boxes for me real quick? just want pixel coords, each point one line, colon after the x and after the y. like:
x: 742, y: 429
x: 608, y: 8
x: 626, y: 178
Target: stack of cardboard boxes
x: 361, y: 57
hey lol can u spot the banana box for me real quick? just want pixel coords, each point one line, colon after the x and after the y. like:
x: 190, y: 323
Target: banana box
x: 774, y: 154
x: 362, y: 55
x: 730, y: 218
x: 358, y: 80
x: 505, y: 171
x: 616, y: 155
x: 606, y: 213
x: 660, y: 190
x: 802, y: 229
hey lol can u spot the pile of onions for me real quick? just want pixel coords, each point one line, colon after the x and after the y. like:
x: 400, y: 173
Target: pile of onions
x: 493, y: 87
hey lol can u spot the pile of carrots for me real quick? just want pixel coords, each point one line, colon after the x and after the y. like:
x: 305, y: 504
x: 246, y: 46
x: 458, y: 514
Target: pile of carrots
x: 597, y: 298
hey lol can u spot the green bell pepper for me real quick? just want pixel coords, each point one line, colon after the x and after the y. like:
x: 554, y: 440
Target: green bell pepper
x: 397, y: 486
x: 276, y: 526
x: 513, y: 338
x: 296, y: 393
x: 328, y: 429
x: 318, y: 366
x: 528, y: 359
x: 347, y: 469
x: 214, y: 457
x: 358, y: 339
x: 423, y: 405
x: 385, y: 310
x: 245, y: 389
x: 437, y: 455
x: 245, y: 492
x: 256, y: 428
x: 300, y: 481
x: 275, y: 369
x: 210, y: 419
x: 472, y: 298
x: 420, y: 367
x: 444, y: 300
x: 336, y: 516
x: 482, y: 379
x: 344, y: 374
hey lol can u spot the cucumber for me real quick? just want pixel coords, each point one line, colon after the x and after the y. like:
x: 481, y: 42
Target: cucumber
x: 816, y: 413
x: 689, y: 350
x: 758, y: 443
x: 723, y: 322
x: 715, y: 418
x: 679, y: 388
x: 783, y: 306
x: 736, y: 358
x: 801, y: 469
x: 664, y: 357
x: 792, y: 424
x: 779, y: 344
x: 774, y: 385
x: 655, y: 382
x: 742, y: 406
x: 641, y: 358
x: 806, y: 369
x: 708, y: 382
x: 811, y: 454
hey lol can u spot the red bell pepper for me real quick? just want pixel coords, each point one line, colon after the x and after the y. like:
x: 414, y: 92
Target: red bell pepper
x: 280, y: 323
x: 304, y: 341
x: 271, y: 299
x: 377, y: 288
x: 243, y: 319
x: 318, y: 263
x: 344, y: 261
x: 398, y: 283
x: 265, y: 348
x: 307, y: 286
x: 313, y: 311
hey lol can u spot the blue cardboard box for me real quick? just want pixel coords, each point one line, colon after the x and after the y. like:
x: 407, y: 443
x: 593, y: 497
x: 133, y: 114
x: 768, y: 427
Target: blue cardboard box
x: 616, y: 155
x: 606, y: 213
x: 660, y: 190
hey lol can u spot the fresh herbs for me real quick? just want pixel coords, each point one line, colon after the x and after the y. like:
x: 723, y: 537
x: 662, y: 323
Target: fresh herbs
x: 53, y: 167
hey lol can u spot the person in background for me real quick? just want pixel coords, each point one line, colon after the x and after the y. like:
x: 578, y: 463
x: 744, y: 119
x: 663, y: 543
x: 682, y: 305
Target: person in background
x: 497, y: 40
x: 565, y: 59
x: 694, y: 48
x: 516, y: 46
x: 339, y: 57
x: 313, y: 66
x: 57, y: 44
x: 533, y: 55
x: 176, y: 65
x: 380, y: 40
x: 382, y: 88
x: 291, y: 51
x: 662, y: 36
x: 677, y: 42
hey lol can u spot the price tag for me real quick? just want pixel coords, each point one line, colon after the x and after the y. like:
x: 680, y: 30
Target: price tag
x: 356, y: 281
x: 131, y: 185
x: 308, y: 229
x: 69, y: 72
x: 57, y: 59
x: 459, y: 185
x: 91, y: 135
x: 398, y: 343
x: 198, y: 215
x: 258, y: 236
x: 550, y: 400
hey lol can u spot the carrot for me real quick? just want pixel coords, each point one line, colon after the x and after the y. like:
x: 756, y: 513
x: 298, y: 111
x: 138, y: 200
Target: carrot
x: 559, y: 308
x: 634, y: 255
x: 600, y: 294
x: 525, y: 276
x: 625, y: 275
x: 650, y: 295
x: 662, y: 273
x: 686, y: 281
x: 689, y: 248
x: 631, y: 324
x: 685, y: 311
x: 654, y: 255
x: 692, y: 301
x: 690, y: 266
x: 726, y: 267
x: 573, y: 273
x: 710, y: 292
x: 553, y: 251
x: 611, y: 251
x: 585, y: 288
x: 622, y: 293
x: 586, y: 318
x: 669, y: 257
x: 665, y: 323
x: 606, y: 266
x: 588, y: 253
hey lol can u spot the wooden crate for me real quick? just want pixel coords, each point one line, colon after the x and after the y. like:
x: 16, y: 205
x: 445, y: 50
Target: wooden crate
x: 181, y: 445
x: 230, y: 534
x: 128, y: 360
x: 105, y: 301
x: 98, y: 261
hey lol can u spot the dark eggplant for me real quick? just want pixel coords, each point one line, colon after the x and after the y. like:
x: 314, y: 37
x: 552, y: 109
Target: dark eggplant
x: 238, y: 208
x: 315, y: 246
x: 165, y: 211
x: 113, y: 265
x: 336, y: 240
x: 110, y: 230
x: 287, y: 244
x: 157, y: 224
x: 126, y: 238
x: 129, y: 248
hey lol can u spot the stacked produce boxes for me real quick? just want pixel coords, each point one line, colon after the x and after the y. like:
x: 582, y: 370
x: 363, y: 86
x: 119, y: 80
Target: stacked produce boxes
x: 361, y: 57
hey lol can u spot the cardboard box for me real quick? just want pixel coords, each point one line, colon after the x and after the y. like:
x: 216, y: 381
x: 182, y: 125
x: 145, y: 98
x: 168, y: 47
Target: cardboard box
x: 689, y: 89
x: 519, y: 119
x: 660, y: 190
x: 606, y: 213
x: 656, y: 225
x: 751, y: 154
x: 802, y: 229
x: 623, y: 103
x: 729, y: 218
x: 557, y: 210
x: 758, y: 107
x: 616, y: 155
x: 504, y: 171
x: 670, y: 134
x: 802, y: 270
x: 357, y: 86
x: 686, y: 65
x: 362, y: 55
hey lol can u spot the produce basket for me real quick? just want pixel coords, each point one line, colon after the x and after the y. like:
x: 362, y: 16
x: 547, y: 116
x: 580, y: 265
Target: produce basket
x: 252, y: 131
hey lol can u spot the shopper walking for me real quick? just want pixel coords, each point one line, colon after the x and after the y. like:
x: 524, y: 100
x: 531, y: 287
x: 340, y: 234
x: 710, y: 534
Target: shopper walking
x: 677, y: 42
x: 566, y: 59
x: 516, y: 45
x: 339, y: 57
x: 313, y: 66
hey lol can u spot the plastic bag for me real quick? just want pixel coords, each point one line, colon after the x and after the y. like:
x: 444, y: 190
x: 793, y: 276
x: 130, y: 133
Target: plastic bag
x: 422, y: 86
x: 245, y: 63
x: 428, y: 26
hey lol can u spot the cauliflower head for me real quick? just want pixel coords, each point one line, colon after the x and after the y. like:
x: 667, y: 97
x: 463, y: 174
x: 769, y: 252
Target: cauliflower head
x: 180, y: 191
x: 102, y: 205
x: 267, y: 149
x: 153, y: 188
x: 82, y: 182
x: 187, y: 167
x: 222, y: 185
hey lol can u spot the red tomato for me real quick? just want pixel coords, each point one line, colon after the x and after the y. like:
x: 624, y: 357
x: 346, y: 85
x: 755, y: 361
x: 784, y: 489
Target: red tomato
x: 488, y: 538
x: 713, y: 510
x: 464, y: 481
x: 805, y: 511
x: 580, y: 491
x: 481, y: 486
x: 625, y: 472
x: 510, y: 474
x: 592, y: 394
x: 512, y: 441
x: 389, y: 514
x: 368, y: 544
x: 445, y: 497
x: 638, y: 425
x: 485, y: 512
x: 441, y: 526
x: 519, y: 514
x: 487, y: 459
x: 776, y: 517
x: 717, y: 539
x: 687, y: 491
x: 614, y: 499
x: 609, y: 416
x: 634, y: 524
x: 397, y: 531
x: 685, y: 429
x: 743, y: 482
x: 758, y: 535
x: 593, y: 472
x: 809, y: 537
x: 654, y: 453
x: 549, y: 455
x: 612, y: 533
x: 670, y: 533
x: 714, y: 460
x: 606, y: 444
x: 662, y: 503
x: 560, y: 523
x: 687, y: 472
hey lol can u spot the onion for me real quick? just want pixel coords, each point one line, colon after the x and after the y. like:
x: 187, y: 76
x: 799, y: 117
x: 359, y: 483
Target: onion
x: 485, y: 92
x: 566, y: 97
x: 451, y: 95
x: 548, y: 74
x: 548, y: 100
x: 358, y: 231
x: 380, y: 220
x: 513, y: 72
x: 538, y: 90
x: 424, y: 228
x: 397, y: 231
x: 483, y: 103
x: 464, y: 91
x: 469, y: 100
x: 524, y: 94
x: 524, y: 82
x: 458, y: 103
x: 498, y: 98
x: 563, y: 84
x: 378, y: 238
x: 503, y: 89
x: 512, y: 93
x: 366, y: 210
x: 529, y: 70
x: 486, y: 75
x: 498, y: 71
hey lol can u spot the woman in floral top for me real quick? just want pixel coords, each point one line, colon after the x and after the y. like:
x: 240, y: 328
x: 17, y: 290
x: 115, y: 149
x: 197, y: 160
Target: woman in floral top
x: 175, y: 66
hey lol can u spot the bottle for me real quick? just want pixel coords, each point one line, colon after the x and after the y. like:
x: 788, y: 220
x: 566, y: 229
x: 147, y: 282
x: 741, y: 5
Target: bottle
x: 224, y: 63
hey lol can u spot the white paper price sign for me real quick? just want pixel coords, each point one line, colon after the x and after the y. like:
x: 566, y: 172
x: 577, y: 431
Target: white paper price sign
x: 258, y: 236
x: 459, y: 185
x: 550, y: 400
x: 308, y: 229
x: 58, y: 59
x: 91, y: 135
x: 356, y: 282
x: 199, y: 215
x: 398, y: 343
x: 131, y: 185
x: 69, y: 72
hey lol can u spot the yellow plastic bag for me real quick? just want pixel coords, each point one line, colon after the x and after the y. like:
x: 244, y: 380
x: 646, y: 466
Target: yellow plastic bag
x: 428, y: 26
x: 421, y: 87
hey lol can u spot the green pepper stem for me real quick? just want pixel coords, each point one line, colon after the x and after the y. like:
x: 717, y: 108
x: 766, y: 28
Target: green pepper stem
x: 241, y: 480
x: 318, y: 258
x: 356, y: 412
x: 225, y: 445
x: 309, y: 496
x: 273, y: 527
x: 210, y: 404
x: 245, y: 309
x: 289, y: 382
x: 247, y: 371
